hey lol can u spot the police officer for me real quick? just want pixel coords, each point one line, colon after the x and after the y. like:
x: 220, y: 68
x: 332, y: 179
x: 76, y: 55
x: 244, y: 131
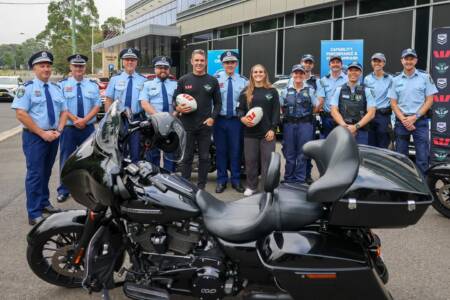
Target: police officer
x: 353, y: 105
x: 40, y: 107
x: 326, y: 89
x: 298, y: 105
x: 228, y: 127
x: 411, y: 97
x: 380, y: 82
x: 156, y: 96
x: 126, y: 87
x: 83, y: 102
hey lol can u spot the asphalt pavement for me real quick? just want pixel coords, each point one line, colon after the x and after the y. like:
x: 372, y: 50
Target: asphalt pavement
x: 418, y: 257
x: 7, y: 117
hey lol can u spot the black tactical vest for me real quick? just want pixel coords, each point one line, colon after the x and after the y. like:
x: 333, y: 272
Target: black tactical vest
x: 298, y: 105
x: 352, y: 106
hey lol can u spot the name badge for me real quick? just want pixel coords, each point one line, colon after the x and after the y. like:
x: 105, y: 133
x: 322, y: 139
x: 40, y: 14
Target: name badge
x: 346, y: 96
x: 68, y: 89
x: 37, y: 93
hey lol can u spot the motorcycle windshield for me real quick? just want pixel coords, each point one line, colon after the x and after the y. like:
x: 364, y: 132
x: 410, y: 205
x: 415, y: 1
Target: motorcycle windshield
x: 170, y: 136
x: 107, y: 135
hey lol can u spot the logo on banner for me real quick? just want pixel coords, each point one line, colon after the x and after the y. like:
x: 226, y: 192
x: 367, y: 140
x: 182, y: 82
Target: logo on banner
x: 441, y: 112
x: 441, y: 67
x: 441, y: 53
x: 441, y: 98
x: 442, y: 38
x: 440, y: 155
x: 441, y: 141
x: 441, y: 83
x: 441, y: 127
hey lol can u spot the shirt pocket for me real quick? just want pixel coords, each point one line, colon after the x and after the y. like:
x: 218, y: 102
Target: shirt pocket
x: 118, y: 92
x: 38, y: 103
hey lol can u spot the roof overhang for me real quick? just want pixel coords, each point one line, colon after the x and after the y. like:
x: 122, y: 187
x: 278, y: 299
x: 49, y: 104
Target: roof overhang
x: 151, y: 29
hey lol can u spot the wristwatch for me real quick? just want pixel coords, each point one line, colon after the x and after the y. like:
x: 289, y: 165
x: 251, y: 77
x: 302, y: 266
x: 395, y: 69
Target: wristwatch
x: 357, y: 126
x: 59, y: 130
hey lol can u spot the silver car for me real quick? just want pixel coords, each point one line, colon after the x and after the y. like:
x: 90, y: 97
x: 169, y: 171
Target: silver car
x: 8, y: 87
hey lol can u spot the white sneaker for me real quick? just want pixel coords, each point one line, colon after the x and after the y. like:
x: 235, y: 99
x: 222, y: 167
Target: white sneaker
x: 249, y: 192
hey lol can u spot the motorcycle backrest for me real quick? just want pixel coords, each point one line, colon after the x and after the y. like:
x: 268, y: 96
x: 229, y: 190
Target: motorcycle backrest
x: 337, y: 158
x: 273, y: 173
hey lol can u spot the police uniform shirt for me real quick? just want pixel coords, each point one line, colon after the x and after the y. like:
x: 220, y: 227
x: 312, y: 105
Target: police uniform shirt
x: 152, y: 93
x: 369, y: 97
x: 327, y: 87
x: 117, y: 90
x: 90, y: 92
x: 31, y: 98
x: 239, y: 83
x: 306, y: 87
x: 410, y: 92
x: 380, y: 88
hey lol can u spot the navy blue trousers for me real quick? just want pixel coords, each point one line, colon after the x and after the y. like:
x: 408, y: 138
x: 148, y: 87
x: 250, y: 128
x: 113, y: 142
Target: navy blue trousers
x: 40, y: 157
x: 379, y: 131
x: 362, y: 137
x: 71, y: 138
x: 295, y: 135
x: 154, y: 156
x: 228, y: 141
x: 327, y: 126
x: 421, y: 142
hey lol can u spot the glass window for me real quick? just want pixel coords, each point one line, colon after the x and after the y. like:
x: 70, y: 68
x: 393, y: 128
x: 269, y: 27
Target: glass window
x: 338, y: 11
x: 350, y: 7
x: 370, y: 6
x: 202, y: 37
x: 419, y: 2
x: 314, y: 16
x: 231, y: 31
x: 264, y: 25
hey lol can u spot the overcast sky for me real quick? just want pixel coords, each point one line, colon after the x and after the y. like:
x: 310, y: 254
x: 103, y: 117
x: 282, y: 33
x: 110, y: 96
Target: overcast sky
x: 31, y: 19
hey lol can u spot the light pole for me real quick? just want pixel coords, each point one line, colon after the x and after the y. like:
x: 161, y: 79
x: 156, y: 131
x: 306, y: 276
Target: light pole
x: 15, y: 55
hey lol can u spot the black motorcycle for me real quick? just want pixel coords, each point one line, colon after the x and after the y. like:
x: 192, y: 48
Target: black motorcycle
x: 156, y: 235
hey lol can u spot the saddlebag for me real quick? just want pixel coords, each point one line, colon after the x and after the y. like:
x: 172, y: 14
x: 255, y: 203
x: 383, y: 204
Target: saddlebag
x: 310, y: 264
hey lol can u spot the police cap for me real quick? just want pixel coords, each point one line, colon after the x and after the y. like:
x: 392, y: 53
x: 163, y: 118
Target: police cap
x: 298, y: 67
x: 229, y: 56
x: 335, y: 56
x: 409, y: 52
x: 379, y: 56
x: 308, y: 57
x: 77, y: 59
x: 162, y: 61
x: 130, y: 53
x: 356, y: 65
x: 41, y: 56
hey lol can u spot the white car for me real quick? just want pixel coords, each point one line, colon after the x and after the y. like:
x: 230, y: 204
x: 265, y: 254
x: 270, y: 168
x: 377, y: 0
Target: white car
x: 8, y: 87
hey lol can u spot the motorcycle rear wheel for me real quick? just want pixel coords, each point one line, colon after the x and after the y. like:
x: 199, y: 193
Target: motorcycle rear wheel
x: 440, y: 187
x: 50, y: 255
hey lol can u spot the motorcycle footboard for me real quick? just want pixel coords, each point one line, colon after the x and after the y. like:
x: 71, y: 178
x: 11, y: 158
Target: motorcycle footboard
x: 313, y: 265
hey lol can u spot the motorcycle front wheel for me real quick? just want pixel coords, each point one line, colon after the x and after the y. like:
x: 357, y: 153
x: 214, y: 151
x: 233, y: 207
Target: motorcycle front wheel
x: 440, y: 187
x: 50, y: 256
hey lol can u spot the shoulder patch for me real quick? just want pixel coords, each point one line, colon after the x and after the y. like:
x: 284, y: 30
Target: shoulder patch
x: 28, y: 82
x: 20, y: 91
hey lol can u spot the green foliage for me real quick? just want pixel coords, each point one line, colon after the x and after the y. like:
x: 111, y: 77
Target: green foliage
x: 112, y: 27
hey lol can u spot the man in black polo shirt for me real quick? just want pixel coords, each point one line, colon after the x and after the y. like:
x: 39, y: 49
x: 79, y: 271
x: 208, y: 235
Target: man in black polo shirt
x: 198, y: 124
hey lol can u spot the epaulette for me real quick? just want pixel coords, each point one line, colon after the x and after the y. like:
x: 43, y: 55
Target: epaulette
x: 64, y: 79
x: 422, y: 71
x: 386, y: 74
x: 397, y: 73
x: 243, y: 77
x: 28, y: 82
x: 92, y: 80
x: 117, y: 74
x: 217, y: 75
x: 55, y: 84
x: 141, y: 75
x: 328, y: 76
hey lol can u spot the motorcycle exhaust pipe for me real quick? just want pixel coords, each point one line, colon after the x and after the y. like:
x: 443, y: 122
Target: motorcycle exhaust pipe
x: 267, y: 296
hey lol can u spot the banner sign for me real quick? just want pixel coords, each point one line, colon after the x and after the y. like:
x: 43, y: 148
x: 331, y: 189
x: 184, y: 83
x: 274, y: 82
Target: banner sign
x: 348, y: 50
x: 214, y: 64
x: 440, y: 64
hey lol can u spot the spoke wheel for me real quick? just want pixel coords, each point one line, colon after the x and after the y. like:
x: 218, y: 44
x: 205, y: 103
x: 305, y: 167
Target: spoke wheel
x: 440, y: 187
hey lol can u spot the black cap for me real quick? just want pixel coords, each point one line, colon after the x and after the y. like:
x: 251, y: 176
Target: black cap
x: 130, y: 53
x: 162, y: 61
x: 355, y: 64
x: 229, y: 56
x: 41, y: 56
x: 409, y: 52
x: 77, y: 59
x: 334, y: 56
x: 309, y: 57
x: 297, y: 67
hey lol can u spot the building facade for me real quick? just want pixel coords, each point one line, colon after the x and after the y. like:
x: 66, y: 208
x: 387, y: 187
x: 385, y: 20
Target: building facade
x: 277, y: 32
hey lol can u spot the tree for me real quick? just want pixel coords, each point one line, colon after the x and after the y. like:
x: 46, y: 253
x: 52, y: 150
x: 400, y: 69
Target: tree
x: 112, y: 27
x: 57, y: 33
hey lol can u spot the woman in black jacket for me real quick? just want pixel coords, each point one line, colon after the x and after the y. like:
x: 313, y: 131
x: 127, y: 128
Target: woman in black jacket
x: 259, y: 139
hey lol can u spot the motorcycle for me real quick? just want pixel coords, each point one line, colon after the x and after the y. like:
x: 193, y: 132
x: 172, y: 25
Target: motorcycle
x: 438, y: 178
x: 156, y: 235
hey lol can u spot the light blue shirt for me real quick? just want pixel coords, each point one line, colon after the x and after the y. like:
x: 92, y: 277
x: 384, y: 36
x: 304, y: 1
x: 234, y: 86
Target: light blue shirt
x: 90, y: 92
x: 290, y: 89
x: 369, y: 97
x: 117, y: 90
x: 380, y: 88
x: 31, y: 98
x: 239, y: 82
x: 411, y: 92
x: 152, y: 93
x: 327, y: 86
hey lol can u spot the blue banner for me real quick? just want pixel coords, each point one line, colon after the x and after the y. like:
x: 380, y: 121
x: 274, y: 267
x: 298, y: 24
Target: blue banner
x: 214, y: 64
x: 348, y: 50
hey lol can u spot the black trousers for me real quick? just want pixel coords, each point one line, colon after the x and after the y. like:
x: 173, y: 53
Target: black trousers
x: 201, y: 137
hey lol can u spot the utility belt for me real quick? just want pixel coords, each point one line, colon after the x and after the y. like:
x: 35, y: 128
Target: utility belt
x: 384, y: 111
x: 305, y: 119
x: 28, y: 130
x: 408, y: 115
x: 229, y: 118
